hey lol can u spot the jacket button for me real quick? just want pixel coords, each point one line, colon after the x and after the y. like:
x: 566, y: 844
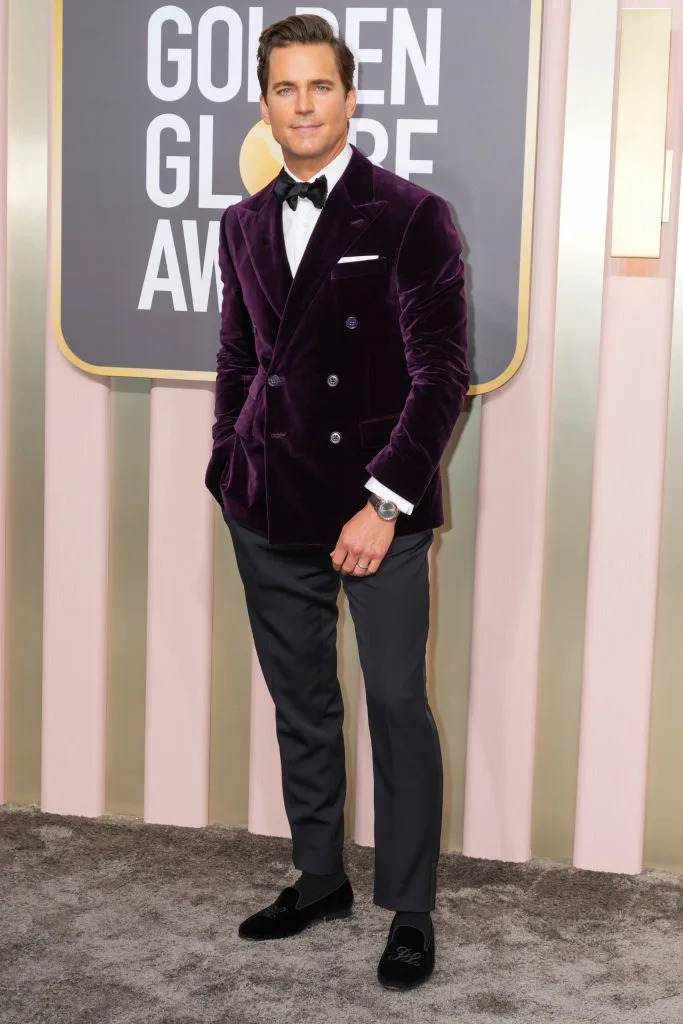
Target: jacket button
x: 274, y: 381
x: 335, y: 437
x: 351, y: 322
x: 333, y: 380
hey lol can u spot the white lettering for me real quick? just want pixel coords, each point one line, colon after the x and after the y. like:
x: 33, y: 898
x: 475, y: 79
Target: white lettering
x: 163, y: 248
x: 255, y: 30
x: 182, y: 58
x: 379, y: 134
x: 426, y: 67
x: 202, y: 271
x: 205, y: 54
x: 354, y: 17
x: 179, y: 164
x: 405, y: 165
x: 207, y: 200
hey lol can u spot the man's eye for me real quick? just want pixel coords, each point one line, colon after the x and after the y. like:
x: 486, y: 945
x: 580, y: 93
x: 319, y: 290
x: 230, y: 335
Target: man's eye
x: 286, y: 88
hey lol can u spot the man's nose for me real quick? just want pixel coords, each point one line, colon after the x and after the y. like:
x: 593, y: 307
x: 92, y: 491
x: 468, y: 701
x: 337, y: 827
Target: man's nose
x: 304, y: 103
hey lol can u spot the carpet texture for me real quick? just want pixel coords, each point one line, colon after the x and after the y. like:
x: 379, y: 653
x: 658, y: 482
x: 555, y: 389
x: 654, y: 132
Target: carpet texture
x: 114, y: 921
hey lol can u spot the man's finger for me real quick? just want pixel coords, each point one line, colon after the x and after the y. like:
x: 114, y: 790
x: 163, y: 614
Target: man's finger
x: 366, y: 565
x: 338, y: 556
x: 350, y: 562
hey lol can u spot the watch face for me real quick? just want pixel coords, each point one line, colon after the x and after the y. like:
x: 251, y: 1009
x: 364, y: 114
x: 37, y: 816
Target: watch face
x: 387, y: 509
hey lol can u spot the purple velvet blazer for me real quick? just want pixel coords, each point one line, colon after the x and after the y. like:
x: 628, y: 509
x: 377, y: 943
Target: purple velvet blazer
x: 347, y: 370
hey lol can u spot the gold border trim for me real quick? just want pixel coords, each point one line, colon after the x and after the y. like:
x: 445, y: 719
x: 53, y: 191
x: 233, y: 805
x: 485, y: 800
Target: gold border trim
x: 528, y: 191
x: 528, y: 188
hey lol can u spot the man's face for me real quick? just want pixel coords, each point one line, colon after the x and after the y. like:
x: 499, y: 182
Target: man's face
x: 305, y: 89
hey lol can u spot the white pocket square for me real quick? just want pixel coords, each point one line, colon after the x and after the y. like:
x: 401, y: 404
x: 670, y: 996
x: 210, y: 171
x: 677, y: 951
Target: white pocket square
x: 355, y: 259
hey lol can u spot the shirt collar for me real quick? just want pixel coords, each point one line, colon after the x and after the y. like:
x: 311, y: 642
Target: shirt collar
x: 332, y: 171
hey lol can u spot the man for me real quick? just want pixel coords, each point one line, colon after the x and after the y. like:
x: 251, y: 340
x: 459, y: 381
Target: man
x: 342, y: 370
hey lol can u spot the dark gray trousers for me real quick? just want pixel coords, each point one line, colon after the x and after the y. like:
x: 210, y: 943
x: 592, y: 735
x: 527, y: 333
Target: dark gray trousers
x: 291, y: 593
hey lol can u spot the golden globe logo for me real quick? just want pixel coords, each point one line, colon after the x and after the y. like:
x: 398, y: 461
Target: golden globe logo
x: 260, y: 157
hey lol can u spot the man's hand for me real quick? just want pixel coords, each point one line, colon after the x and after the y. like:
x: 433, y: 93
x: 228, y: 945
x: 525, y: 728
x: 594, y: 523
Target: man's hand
x: 363, y: 543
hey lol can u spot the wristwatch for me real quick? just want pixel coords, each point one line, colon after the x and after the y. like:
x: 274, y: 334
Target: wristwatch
x: 385, y: 509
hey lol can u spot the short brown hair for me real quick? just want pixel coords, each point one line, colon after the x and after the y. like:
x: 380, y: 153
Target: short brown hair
x: 303, y: 28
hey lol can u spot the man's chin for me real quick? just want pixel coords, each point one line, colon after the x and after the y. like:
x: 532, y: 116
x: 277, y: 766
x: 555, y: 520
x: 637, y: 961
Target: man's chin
x: 307, y: 145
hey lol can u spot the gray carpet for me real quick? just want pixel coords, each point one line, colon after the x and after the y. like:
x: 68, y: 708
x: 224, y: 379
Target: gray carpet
x: 112, y: 920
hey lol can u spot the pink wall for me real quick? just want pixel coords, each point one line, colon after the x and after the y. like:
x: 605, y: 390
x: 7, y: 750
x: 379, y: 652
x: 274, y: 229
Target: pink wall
x: 3, y: 358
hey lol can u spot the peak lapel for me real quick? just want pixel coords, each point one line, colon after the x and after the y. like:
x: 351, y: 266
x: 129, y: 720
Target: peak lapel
x: 347, y: 214
x: 262, y: 230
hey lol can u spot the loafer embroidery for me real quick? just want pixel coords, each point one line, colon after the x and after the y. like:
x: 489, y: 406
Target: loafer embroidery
x: 274, y: 911
x: 406, y: 955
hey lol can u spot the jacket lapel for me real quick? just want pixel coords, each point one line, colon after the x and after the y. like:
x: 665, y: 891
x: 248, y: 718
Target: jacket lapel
x: 348, y: 212
x: 262, y: 230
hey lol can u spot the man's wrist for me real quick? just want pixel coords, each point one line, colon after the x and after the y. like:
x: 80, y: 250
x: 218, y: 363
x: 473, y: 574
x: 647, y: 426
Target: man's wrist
x: 376, y: 487
x: 387, y: 510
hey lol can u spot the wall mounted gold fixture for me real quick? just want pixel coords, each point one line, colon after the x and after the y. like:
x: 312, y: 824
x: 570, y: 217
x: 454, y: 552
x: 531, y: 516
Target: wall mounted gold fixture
x: 640, y: 159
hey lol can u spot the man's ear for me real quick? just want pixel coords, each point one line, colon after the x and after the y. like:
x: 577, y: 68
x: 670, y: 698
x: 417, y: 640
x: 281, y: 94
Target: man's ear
x: 264, y: 109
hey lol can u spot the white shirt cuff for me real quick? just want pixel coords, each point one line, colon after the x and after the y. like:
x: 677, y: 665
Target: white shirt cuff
x: 377, y: 488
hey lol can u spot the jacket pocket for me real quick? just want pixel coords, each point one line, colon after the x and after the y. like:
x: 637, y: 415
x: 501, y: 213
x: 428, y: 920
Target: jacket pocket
x: 244, y: 420
x: 243, y: 423
x: 360, y: 268
x: 375, y: 432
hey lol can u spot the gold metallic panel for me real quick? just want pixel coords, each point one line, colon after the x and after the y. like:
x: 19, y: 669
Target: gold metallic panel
x: 128, y: 530
x: 582, y: 241
x: 349, y: 671
x: 29, y: 57
x: 639, y: 166
x: 450, y: 633
x: 663, y: 846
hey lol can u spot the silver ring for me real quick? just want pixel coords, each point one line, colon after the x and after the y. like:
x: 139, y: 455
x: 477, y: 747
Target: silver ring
x: 363, y: 566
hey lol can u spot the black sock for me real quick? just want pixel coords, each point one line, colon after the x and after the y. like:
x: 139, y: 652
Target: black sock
x: 313, y: 887
x: 415, y: 919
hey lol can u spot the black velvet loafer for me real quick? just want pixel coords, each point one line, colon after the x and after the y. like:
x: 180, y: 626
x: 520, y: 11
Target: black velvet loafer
x: 282, y: 918
x: 408, y: 958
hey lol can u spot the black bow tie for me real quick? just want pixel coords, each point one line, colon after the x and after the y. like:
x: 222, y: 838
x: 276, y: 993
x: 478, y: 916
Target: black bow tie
x: 286, y: 188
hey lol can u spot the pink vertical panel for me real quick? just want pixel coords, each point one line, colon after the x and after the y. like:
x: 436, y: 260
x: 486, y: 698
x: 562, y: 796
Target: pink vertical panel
x: 179, y: 623
x: 3, y: 362
x: 75, y: 580
x: 75, y: 587
x: 622, y: 581
x: 267, y: 814
x: 515, y: 434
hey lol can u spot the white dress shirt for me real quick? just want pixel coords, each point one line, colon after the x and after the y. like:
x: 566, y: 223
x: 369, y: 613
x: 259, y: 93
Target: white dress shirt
x: 297, y: 226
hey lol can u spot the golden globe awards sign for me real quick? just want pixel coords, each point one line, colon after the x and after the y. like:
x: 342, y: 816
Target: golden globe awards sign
x: 158, y: 128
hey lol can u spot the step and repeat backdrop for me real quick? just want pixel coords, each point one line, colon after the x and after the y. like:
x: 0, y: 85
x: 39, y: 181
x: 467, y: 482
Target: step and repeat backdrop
x: 128, y: 677
x: 160, y: 129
